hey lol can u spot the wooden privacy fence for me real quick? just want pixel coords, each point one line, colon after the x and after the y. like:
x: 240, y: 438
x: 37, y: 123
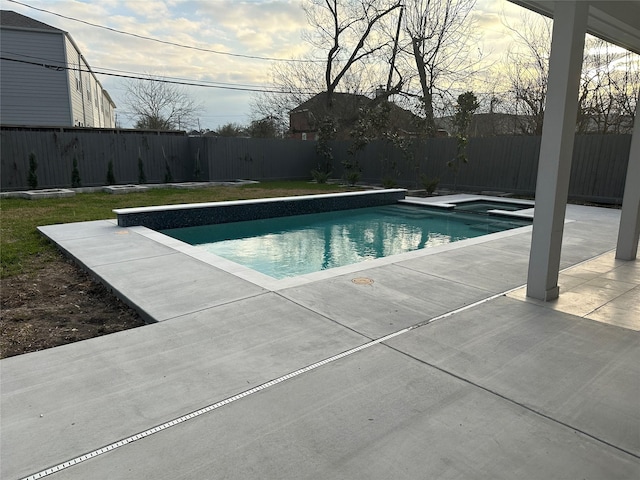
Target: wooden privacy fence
x: 502, y: 164
x: 178, y: 156
x: 506, y: 164
x: 93, y: 150
x: 253, y: 158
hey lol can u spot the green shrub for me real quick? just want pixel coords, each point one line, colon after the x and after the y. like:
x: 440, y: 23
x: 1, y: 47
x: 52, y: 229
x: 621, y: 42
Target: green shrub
x: 75, y: 175
x: 142, y: 177
x: 32, y: 178
x: 352, y: 177
x: 111, y: 178
x: 320, y: 176
x: 197, y: 171
x: 429, y: 184
x: 389, y: 182
x: 168, y: 178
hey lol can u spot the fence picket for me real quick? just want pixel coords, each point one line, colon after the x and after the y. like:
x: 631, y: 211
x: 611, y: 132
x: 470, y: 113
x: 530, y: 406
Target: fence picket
x: 494, y: 163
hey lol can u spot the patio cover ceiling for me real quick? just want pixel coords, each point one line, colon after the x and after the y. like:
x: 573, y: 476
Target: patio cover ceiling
x: 617, y: 22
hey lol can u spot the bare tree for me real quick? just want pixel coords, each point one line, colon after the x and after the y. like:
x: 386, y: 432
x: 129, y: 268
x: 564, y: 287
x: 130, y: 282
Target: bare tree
x: 294, y: 83
x: 609, y: 84
x: 609, y: 88
x: 348, y: 28
x: 155, y: 104
x: 418, y: 49
x: 528, y: 70
x: 439, y: 40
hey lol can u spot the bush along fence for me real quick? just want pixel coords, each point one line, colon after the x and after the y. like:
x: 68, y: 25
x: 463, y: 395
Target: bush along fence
x: 58, y: 158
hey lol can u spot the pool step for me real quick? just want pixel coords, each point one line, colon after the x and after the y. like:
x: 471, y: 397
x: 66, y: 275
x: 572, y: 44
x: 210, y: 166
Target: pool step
x: 406, y: 212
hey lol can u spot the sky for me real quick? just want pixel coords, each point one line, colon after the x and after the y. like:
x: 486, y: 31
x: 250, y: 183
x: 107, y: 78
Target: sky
x: 253, y: 28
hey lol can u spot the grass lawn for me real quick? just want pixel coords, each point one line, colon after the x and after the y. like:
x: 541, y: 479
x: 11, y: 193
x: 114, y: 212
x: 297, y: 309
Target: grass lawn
x: 24, y: 250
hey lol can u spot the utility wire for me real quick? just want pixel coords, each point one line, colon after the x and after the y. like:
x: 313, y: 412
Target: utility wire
x: 40, y: 60
x: 60, y: 68
x: 165, y: 42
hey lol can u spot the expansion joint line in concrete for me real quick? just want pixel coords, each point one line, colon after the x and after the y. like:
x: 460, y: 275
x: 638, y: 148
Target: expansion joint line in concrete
x: 207, y: 409
x: 210, y: 307
x: 271, y: 383
x: 326, y: 317
x: 514, y: 402
x: 246, y: 393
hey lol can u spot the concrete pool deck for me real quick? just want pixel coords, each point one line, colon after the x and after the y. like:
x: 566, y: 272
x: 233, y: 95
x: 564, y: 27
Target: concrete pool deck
x: 439, y: 368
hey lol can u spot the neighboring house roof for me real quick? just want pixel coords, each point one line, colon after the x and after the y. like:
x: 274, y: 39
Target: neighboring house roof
x: 343, y: 104
x: 25, y: 27
x: 10, y: 18
x: 347, y: 107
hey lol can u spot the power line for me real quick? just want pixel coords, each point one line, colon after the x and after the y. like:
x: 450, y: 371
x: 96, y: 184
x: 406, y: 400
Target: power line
x: 60, y: 67
x: 213, y: 82
x: 180, y: 81
x: 165, y: 42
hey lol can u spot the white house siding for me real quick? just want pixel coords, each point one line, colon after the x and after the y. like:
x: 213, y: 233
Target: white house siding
x: 90, y: 103
x: 31, y: 94
x: 76, y: 92
x: 87, y: 90
x: 87, y: 95
x: 108, y: 110
x: 37, y: 96
x: 96, y: 106
x: 96, y: 97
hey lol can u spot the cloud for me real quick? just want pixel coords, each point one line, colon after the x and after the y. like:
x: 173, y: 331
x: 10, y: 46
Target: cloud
x: 257, y: 27
x: 268, y: 28
x: 148, y: 10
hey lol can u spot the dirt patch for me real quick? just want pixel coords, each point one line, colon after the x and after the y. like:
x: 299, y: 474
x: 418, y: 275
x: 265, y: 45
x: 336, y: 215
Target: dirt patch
x: 59, y: 304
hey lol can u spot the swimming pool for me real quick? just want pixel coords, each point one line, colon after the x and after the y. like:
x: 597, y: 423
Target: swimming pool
x: 295, y: 245
x: 486, y: 206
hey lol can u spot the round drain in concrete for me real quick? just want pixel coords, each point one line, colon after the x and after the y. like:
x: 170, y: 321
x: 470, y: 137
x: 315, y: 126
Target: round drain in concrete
x: 362, y: 281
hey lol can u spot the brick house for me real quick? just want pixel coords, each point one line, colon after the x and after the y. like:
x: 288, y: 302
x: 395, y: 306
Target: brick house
x: 346, y: 109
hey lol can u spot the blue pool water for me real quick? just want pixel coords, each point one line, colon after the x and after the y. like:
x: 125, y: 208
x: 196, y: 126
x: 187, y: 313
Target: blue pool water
x: 290, y: 246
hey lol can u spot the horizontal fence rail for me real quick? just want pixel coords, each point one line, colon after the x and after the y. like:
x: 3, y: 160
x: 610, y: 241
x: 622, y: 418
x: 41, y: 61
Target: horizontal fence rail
x: 500, y: 164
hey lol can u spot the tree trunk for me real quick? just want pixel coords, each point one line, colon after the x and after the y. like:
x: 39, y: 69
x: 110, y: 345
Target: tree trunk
x: 427, y: 97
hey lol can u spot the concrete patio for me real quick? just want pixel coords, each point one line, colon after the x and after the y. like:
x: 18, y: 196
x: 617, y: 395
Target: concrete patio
x: 438, y: 368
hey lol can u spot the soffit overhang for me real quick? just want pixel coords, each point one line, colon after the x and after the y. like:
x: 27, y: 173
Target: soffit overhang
x: 617, y: 22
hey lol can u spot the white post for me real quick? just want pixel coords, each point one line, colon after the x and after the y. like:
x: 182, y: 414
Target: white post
x: 556, y: 149
x: 629, y: 230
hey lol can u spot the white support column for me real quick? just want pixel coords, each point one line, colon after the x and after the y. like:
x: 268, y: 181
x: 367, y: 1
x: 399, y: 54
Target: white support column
x: 629, y: 230
x: 556, y: 150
